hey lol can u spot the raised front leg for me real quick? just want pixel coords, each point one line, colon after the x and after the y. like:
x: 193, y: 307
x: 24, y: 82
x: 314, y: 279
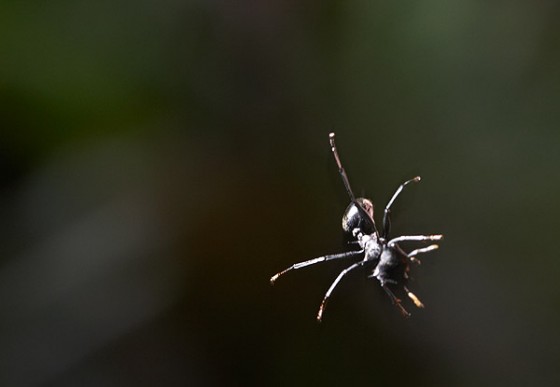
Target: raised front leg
x: 387, y: 212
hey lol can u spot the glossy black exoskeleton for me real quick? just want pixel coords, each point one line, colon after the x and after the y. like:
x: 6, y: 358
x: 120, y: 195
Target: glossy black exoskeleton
x: 388, y: 262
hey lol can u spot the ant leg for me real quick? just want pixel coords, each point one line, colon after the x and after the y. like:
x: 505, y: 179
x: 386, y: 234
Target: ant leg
x: 412, y: 255
x: 340, y: 167
x: 419, y: 238
x: 413, y: 297
x: 395, y: 301
x: 386, y: 214
x: 336, y: 281
x: 313, y: 261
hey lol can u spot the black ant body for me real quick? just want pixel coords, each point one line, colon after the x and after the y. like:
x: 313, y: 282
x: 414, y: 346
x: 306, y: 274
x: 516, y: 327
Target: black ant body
x: 390, y: 262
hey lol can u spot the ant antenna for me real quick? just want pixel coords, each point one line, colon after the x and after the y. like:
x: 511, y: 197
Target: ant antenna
x: 340, y: 168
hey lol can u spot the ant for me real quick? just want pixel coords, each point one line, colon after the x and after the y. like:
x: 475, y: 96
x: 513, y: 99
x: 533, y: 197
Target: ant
x: 391, y: 263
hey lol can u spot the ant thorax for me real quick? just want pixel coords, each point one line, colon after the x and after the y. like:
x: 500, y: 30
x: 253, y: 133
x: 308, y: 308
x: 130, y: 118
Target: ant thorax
x: 370, y: 244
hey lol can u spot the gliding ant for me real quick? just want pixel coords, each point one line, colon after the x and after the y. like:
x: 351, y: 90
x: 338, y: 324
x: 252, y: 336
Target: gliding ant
x: 390, y: 262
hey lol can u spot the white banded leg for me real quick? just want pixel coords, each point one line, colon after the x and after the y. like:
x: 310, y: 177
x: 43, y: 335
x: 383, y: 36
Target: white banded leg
x: 412, y: 255
x: 418, y: 238
x: 314, y: 261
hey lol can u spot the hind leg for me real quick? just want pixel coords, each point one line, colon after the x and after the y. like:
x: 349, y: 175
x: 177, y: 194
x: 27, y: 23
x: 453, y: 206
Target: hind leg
x: 334, y: 284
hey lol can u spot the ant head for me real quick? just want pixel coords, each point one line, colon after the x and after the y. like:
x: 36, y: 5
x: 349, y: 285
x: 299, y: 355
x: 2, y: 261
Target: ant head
x: 359, y: 215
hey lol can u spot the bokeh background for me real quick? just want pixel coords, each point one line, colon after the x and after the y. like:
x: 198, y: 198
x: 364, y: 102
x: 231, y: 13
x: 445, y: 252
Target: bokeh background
x: 159, y: 161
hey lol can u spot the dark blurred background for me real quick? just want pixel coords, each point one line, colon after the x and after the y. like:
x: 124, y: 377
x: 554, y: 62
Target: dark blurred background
x: 159, y: 161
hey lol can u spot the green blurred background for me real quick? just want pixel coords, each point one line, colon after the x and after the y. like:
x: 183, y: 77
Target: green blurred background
x: 159, y: 161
